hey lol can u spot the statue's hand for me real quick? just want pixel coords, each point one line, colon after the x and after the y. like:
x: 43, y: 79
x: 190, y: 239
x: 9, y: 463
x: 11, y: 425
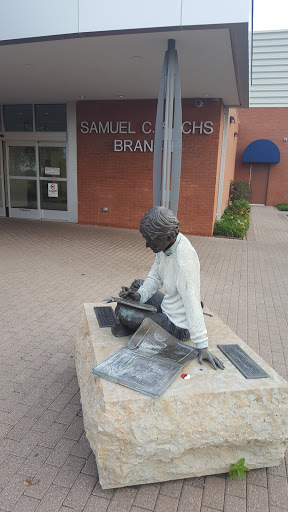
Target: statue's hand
x: 204, y: 354
x: 127, y: 293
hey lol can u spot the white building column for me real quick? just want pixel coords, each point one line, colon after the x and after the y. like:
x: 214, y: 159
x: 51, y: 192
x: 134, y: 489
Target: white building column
x: 72, y: 196
x: 223, y: 162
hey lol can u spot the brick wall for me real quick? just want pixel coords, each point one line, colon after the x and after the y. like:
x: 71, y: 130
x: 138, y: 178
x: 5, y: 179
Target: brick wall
x: 200, y: 170
x: 265, y: 123
x: 122, y: 180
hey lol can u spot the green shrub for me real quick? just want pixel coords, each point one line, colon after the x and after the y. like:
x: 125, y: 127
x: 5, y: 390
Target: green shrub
x: 283, y: 207
x: 235, y: 220
x: 240, y: 190
x: 238, y: 207
x: 230, y: 227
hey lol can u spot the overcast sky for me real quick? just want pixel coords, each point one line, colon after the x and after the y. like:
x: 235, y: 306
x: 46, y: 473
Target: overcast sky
x: 270, y: 14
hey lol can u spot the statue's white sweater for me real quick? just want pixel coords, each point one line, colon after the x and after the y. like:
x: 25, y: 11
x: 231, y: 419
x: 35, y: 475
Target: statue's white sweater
x: 177, y: 270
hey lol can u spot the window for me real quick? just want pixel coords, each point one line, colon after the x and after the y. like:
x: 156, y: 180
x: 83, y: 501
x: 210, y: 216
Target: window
x: 46, y: 118
x: 18, y: 118
x: 50, y: 118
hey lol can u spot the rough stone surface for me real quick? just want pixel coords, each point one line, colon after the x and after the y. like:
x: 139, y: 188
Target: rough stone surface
x: 197, y: 427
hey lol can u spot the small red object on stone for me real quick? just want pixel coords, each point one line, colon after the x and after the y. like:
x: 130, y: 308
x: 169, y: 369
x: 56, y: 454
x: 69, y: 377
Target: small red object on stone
x: 185, y: 375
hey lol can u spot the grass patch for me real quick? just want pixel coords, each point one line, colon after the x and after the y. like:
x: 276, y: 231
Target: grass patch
x: 282, y: 207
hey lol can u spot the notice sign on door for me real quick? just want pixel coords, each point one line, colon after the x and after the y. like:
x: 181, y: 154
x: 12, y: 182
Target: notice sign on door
x: 53, y: 171
x: 52, y: 189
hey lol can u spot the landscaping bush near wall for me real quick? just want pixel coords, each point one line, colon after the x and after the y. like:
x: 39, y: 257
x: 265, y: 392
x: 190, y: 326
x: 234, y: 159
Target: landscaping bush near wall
x: 234, y: 221
x: 240, y: 190
x: 283, y: 207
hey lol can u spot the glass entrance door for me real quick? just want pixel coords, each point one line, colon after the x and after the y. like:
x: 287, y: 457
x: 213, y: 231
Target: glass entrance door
x: 22, y: 180
x: 37, y: 180
x: 53, y: 181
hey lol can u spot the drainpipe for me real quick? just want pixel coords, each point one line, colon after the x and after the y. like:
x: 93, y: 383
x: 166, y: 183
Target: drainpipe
x: 250, y: 172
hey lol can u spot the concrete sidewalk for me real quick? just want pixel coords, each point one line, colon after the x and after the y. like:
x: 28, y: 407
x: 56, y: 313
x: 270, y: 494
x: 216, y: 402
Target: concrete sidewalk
x: 47, y: 271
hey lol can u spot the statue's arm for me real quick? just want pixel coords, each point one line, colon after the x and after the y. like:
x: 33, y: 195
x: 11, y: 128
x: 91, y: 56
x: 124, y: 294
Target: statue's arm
x: 188, y: 285
x: 152, y: 283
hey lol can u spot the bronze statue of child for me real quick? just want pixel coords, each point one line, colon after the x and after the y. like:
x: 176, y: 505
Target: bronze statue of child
x: 176, y: 269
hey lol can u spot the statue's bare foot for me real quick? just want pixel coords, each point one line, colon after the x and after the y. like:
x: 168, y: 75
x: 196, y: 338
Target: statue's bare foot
x: 119, y: 330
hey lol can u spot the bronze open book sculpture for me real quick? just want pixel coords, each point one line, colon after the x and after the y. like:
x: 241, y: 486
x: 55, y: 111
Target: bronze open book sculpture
x: 151, y: 361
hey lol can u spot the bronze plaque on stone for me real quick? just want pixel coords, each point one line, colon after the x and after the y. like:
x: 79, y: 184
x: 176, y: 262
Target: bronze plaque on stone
x: 244, y: 363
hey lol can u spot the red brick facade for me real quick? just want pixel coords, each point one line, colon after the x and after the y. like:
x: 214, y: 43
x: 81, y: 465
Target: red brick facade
x: 265, y: 123
x: 122, y: 180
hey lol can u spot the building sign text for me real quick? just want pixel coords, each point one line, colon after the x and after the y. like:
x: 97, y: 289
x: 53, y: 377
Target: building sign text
x: 125, y: 127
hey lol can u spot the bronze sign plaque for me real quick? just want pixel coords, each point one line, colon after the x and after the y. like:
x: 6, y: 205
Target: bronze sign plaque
x: 243, y: 362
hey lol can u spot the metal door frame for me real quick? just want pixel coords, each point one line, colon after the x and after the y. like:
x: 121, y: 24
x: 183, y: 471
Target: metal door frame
x: 53, y: 214
x: 2, y: 208
x: 23, y: 213
x: 37, y: 213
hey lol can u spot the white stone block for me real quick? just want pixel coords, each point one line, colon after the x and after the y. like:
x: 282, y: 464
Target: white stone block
x: 197, y: 427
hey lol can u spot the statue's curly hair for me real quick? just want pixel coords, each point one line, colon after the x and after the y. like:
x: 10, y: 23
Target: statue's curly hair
x: 158, y: 222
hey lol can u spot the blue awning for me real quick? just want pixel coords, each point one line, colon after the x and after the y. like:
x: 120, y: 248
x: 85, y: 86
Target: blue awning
x: 262, y: 150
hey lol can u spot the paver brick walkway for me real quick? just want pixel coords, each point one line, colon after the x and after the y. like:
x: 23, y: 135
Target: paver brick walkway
x: 47, y: 270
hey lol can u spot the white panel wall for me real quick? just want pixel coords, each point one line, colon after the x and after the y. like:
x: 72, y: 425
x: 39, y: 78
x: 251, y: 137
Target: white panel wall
x: 35, y: 18
x: 195, y: 12
x: 128, y: 14
x: 270, y: 69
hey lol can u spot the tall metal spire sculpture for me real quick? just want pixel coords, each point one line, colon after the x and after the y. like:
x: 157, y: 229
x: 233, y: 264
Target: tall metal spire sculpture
x: 168, y: 134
